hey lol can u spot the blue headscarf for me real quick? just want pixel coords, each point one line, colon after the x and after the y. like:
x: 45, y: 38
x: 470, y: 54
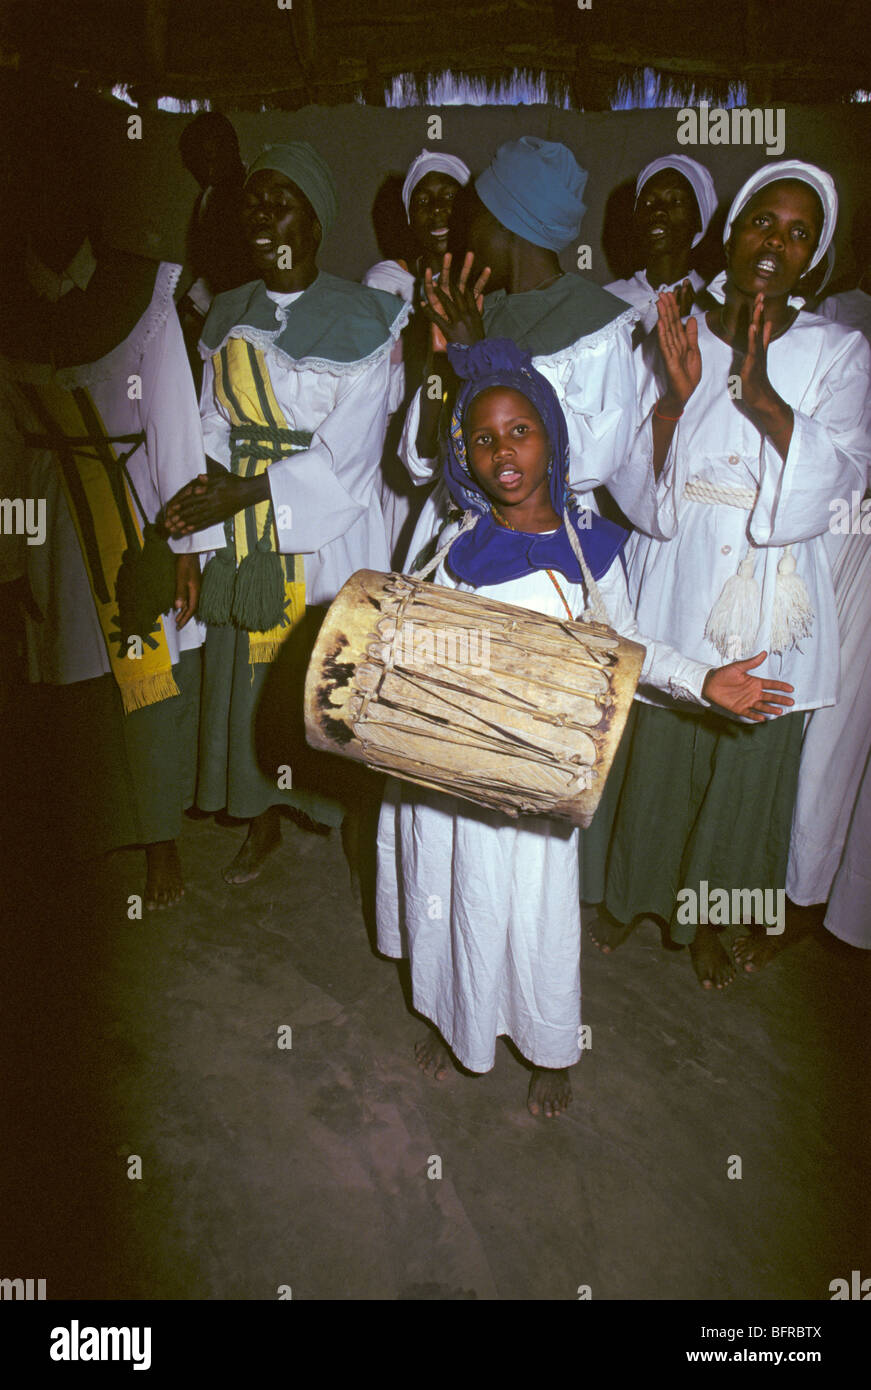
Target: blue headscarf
x: 492, y: 554
x: 535, y: 189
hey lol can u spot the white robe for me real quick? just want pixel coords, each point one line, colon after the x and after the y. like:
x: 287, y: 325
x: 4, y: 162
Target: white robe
x: 396, y: 502
x: 487, y: 908
x: 325, y: 497
x: 639, y: 292
x: 852, y: 308
x: 678, y: 569
x: 594, y: 379
x: 828, y: 856
x: 68, y: 645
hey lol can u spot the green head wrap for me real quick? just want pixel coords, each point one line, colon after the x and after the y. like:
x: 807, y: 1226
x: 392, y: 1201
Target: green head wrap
x: 302, y: 164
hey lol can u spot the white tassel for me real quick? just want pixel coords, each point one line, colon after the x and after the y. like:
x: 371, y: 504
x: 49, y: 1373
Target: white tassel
x: 734, y: 619
x: 792, y: 616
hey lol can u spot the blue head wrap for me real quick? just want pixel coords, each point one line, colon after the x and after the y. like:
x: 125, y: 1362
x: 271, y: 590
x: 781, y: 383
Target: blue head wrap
x: 535, y: 189
x: 492, y: 554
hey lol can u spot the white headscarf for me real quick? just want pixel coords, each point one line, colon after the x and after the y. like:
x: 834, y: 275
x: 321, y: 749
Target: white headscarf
x: 696, y: 175
x: 429, y: 162
x: 822, y: 183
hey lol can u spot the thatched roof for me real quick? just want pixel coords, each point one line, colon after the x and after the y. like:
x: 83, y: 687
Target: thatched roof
x: 244, y: 53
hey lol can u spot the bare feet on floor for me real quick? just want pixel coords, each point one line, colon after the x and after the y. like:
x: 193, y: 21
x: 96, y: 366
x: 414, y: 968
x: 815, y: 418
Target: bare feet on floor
x: 164, y: 882
x: 433, y: 1056
x: 711, y: 961
x: 550, y: 1092
x: 759, y: 948
x: 264, y: 835
x: 603, y: 929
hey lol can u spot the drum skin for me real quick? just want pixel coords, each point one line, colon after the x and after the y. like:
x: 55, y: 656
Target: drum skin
x: 498, y: 705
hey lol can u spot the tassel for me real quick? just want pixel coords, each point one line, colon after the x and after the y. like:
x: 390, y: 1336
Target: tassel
x: 258, y: 598
x: 145, y: 585
x: 216, y: 591
x: 792, y: 616
x: 734, y: 618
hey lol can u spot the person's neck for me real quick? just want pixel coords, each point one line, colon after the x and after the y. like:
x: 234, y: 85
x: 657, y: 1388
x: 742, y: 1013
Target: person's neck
x: 291, y: 281
x: 530, y: 516
x: 667, y: 268
x: 532, y: 268
x: 736, y: 312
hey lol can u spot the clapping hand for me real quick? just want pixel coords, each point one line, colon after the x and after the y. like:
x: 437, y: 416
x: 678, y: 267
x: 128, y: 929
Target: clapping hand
x: 754, y: 697
x: 679, y: 345
x: 455, y: 311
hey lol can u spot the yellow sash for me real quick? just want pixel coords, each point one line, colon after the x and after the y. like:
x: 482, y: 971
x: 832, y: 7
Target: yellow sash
x: 106, y: 524
x: 259, y: 435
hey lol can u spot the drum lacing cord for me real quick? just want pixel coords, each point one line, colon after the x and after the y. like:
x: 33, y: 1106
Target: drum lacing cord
x: 596, y: 604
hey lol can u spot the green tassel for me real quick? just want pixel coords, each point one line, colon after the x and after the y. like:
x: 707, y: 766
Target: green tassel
x: 145, y: 585
x: 216, y: 592
x: 258, y: 599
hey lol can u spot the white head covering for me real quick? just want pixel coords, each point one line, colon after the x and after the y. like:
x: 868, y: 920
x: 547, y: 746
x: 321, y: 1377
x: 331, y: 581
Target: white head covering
x: 429, y: 162
x: 822, y: 183
x: 698, y: 178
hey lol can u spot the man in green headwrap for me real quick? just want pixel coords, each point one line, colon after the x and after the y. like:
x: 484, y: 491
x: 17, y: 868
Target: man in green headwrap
x: 294, y: 410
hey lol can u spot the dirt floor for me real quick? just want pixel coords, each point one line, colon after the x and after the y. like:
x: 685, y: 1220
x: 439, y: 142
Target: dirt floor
x: 314, y: 1166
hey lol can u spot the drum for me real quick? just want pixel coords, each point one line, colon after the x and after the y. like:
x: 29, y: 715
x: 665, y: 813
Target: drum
x: 495, y: 704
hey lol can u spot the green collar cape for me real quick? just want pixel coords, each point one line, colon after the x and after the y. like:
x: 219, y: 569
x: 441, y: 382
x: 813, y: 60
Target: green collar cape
x: 334, y: 323
x: 548, y: 321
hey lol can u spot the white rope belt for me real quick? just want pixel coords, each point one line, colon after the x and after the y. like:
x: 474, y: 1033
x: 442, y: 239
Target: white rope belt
x: 699, y: 490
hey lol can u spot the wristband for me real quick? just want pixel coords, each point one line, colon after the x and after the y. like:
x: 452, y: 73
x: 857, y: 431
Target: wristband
x: 672, y: 419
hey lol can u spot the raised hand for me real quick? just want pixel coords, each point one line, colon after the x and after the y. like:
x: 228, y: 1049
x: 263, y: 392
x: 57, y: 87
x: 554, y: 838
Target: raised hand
x: 754, y: 697
x: 756, y: 389
x: 679, y: 345
x: 455, y: 310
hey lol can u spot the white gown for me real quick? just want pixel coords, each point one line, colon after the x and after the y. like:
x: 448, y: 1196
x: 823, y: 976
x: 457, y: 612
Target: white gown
x: 678, y: 569
x: 639, y: 292
x: 326, y: 499
x: 830, y: 848
x: 487, y: 908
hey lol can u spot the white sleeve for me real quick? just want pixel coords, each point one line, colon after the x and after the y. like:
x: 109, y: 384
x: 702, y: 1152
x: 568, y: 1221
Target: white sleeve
x: 663, y: 667
x: 173, y: 436
x: 828, y: 456
x: 214, y: 419
x: 632, y: 484
x: 597, y: 387
x: 421, y: 470
x: 319, y: 493
x: 388, y: 276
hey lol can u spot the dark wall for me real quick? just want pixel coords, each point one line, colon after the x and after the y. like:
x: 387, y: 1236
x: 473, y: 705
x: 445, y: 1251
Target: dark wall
x: 146, y: 195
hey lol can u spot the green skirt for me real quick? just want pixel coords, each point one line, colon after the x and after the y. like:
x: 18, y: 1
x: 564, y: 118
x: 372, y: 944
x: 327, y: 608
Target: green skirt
x: 703, y: 799
x: 101, y: 778
x: 250, y: 732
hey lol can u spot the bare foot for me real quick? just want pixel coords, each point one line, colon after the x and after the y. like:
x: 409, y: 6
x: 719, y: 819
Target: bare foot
x: 164, y: 882
x: 759, y: 948
x: 550, y: 1091
x: 433, y: 1056
x: 264, y: 835
x: 603, y: 930
x: 710, y: 959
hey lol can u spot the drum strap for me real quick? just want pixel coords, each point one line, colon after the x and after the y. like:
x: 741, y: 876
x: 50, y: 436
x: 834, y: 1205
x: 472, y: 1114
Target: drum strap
x: 596, y: 609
